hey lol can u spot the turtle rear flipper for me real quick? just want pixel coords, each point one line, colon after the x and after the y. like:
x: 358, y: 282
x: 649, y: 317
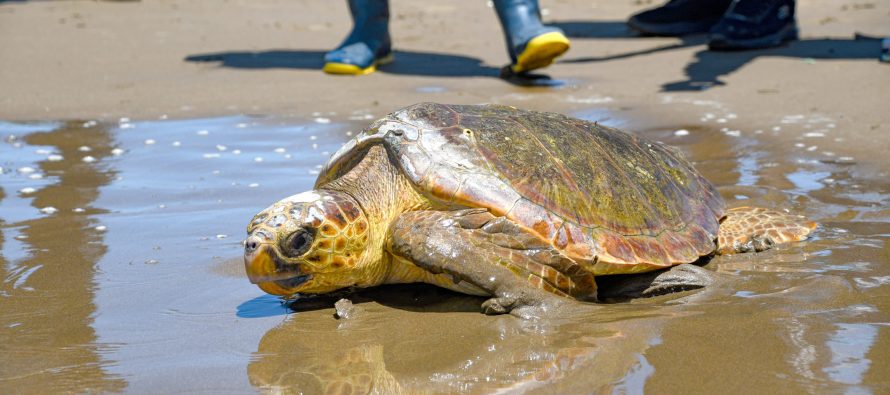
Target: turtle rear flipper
x: 750, y: 229
x: 524, y: 274
x: 623, y: 287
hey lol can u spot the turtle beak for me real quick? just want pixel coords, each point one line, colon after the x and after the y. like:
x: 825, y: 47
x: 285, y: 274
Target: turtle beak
x: 263, y: 270
x: 257, y: 261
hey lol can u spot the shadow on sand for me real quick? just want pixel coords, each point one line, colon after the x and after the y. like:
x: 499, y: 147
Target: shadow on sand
x: 708, y: 66
x: 427, y: 64
x: 416, y: 297
x: 704, y: 72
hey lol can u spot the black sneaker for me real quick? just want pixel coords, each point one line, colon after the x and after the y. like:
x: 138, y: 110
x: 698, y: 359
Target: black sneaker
x: 679, y: 17
x: 751, y: 24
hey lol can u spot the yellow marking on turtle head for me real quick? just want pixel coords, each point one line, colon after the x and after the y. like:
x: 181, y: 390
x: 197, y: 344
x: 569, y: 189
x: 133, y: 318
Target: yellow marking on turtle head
x: 308, y: 243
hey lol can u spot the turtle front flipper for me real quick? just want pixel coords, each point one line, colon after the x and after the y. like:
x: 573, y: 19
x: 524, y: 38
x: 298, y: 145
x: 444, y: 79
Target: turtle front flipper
x: 524, y: 275
x: 749, y: 229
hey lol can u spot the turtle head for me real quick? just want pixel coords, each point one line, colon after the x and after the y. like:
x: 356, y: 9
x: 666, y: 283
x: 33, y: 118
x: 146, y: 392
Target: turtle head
x: 310, y: 243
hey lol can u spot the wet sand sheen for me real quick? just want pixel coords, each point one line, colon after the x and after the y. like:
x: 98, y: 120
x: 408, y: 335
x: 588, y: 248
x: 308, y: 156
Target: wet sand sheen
x: 142, y: 290
x: 50, y: 307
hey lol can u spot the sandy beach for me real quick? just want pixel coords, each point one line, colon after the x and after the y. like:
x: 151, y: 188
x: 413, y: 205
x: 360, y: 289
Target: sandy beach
x: 187, y: 59
x: 140, y: 137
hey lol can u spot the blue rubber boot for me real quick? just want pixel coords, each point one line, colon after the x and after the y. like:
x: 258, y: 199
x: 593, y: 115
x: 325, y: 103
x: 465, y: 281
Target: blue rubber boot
x: 368, y: 44
x: 531, y: 44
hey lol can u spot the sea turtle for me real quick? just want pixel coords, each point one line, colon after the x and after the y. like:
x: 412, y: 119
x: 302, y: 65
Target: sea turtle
x: 525, y: 207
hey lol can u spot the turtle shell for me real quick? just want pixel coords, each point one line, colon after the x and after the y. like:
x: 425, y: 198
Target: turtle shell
x: 616, y: 202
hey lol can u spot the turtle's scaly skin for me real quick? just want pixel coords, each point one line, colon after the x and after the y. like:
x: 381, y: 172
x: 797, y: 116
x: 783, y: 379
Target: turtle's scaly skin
x: 608, y: 199
x: 340, y: 232
x: 749, y: 229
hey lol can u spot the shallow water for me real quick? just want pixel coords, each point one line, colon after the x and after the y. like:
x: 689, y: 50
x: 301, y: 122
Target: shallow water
x: 123, y: 273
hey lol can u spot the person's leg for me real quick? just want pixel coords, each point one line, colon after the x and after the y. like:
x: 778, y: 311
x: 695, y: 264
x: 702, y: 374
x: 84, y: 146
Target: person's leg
x: 367, y: 45
x: 531, y: 45
x: 750, y: 24
x: 679, y: 17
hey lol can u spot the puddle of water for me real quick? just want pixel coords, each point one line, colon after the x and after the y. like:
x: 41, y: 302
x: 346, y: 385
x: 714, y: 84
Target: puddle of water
x: 134, y: 281
x: 602, y: 116
x: 849, y: 345
x: 634, y: 382
x: 431, y: 89
x: 807, y: 181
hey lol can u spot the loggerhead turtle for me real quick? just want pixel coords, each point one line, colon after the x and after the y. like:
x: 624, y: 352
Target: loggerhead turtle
x: 522, y: 206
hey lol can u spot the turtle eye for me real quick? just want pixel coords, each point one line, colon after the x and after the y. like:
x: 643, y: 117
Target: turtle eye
x: 298, y: 243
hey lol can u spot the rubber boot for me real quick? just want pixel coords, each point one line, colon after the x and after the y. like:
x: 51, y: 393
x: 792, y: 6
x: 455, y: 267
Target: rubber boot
x: 531, y: 44
x: 753, y: 24
x: 680, y: 17
x: 368, y: 44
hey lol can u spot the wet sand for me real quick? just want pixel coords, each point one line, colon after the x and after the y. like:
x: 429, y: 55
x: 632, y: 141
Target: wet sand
x: 146, y: 134
x: 186, y: 59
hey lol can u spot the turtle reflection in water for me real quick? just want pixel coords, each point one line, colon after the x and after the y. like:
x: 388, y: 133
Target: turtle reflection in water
x: 523, y: 207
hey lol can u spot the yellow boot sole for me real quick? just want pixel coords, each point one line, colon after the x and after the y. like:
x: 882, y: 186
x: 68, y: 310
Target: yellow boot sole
x: 351, y: 69
x: 541, y: 51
